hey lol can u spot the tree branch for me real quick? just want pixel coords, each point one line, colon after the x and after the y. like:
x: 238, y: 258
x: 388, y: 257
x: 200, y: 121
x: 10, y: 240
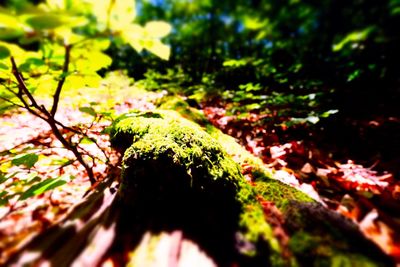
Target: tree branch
x: 56, y: 97
x: 21, y: 84
x: 43, y: 113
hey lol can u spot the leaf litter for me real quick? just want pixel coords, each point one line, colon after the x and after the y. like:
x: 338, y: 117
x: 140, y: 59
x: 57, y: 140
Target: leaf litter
x: 370, y: 198
x: 357, y: 192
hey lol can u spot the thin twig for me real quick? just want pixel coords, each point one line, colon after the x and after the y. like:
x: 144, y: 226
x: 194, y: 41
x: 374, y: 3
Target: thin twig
x: 49, y: 116
x: 21, y: 84
x: 56, y: 97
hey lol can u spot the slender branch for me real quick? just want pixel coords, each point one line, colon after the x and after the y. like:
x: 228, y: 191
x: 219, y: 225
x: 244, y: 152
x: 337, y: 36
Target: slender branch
x: 56, y: 97
x: 67, y: 127
x: 19, y: 95
x: 70, y: 146
x: 21, y: 84
x: 49, y: 116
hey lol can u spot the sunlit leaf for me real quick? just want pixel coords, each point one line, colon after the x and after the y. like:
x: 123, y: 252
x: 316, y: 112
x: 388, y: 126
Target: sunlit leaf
x: 51, y: 21
x: 93, y: 80
x: 4, y: 177
x: 31, y: 63
x: 253, y: 106
x: 56, y: 4
x: 46, y: 83
x: 326, y: 114
x: 88, y: 110
x: 90, y: 61
x: 254, y: 23
x: 235, y: 63
x: 157, y: 29
x: 44, y: 21
x: 4, y: 66
x: 4, y: 52
x: 4, y: 198
x: 44, y: 186
x: 67, y: 35
x: 122, y: 13
x: 31, y: 178
x: 159, y: 49
x: 356, y: 36
x: 25, y: 159
x: 354, y: 75
x: 86, y: 140
x: 133, y: 34
x: 10, y: 27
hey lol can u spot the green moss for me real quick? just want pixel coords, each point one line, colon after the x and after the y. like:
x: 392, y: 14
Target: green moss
x: 164, y: 132
x: 318, y: 250
x: 181, y: 148
x: 229, y: 144
x: 178, y: 104
x: 278, y: 192
x: 167, y: 153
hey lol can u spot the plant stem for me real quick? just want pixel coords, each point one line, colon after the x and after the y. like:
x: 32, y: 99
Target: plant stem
x: 56, y: 97
x: 49, y: 117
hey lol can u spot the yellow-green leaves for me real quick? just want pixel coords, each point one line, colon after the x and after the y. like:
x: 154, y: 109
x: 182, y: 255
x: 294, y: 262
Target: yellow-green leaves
x: 148, y: 37
x: 45, y: 185
x: 353, y: 37
x: 46, y: 21
x: 4, y: 52
x: 113, y: 14
x: 157, y: 29
x: 27, y: 160
x: 122, y: 13
x: 159, y: 49
x: 10, y: 27
x: 89, y: 61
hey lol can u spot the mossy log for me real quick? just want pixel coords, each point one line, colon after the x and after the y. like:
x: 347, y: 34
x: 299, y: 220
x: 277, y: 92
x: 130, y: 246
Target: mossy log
x: 179, y: 189
x: 175, y: 160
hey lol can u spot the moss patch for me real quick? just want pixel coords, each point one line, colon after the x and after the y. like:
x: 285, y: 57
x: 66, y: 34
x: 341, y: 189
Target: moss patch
x: 173, y: 163
x: 277, y: 192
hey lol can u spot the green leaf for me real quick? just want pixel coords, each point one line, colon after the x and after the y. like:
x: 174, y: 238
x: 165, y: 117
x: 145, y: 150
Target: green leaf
x: 44, y: 21
x: 4, y: 177
x: 90, y: 61
x: 4, y: 66
x: 86, y: 140
x: 26, y: 159
x: 4, y: 52
x: 352, y: 37
x: 122, y: 13
x: 326, y: 114
x: 253, y: 106
x: 157, y: 29
x: 4, y: 197
x: 44, y: 186
x: 235, y: 63
x: 354, y: 75
x: 48, y: 21
x: 10, y: 27
x: 159, y: 49
x: 88, y: 110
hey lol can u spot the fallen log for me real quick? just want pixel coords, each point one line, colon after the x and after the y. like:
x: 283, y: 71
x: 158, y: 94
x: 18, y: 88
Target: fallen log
x: 182, y: 201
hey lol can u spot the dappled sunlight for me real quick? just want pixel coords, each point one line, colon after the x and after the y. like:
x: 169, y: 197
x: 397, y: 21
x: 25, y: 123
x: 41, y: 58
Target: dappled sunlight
x: 199, y: 133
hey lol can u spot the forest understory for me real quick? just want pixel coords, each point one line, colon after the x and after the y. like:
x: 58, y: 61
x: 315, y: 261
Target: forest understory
x: 306, y: 159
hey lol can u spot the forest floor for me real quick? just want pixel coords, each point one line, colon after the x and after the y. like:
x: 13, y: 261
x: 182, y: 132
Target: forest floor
x: 369, y: 197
